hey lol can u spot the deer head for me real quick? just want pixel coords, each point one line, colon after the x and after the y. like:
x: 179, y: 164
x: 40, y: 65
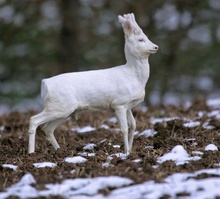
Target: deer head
x: 136, y: 42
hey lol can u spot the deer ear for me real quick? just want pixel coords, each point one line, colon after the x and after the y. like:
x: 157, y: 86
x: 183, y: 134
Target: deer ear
x: 121, y: 19
x: 127, y: 27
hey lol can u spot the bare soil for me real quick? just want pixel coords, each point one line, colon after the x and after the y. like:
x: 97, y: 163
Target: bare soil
x: 14, y: 143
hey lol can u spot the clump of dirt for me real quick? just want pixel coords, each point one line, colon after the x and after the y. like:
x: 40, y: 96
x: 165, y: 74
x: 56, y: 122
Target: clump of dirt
x: 140, y: 166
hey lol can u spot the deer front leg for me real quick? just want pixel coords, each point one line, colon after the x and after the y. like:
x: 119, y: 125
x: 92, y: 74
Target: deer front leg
x: 132, y: 127
x: 121, y: 115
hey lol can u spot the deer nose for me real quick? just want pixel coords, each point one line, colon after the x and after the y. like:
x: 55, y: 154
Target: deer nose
x: 156, y: 47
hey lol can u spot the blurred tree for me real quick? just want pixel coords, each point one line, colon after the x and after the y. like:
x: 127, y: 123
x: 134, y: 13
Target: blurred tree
x: 69, y: 54
x: 43, y: 38
x: 27, y: 48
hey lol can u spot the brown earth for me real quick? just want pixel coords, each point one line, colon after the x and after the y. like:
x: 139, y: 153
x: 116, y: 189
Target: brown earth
x: 14, y: 142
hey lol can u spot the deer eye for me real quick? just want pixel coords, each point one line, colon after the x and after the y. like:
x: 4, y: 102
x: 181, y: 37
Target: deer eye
x: 141, y: 40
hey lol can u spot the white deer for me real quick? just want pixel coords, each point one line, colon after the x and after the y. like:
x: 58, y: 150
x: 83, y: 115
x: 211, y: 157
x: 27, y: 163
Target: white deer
x: 116, y: 89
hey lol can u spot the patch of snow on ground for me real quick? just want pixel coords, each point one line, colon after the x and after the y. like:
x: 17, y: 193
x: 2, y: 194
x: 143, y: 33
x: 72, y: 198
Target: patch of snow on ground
x: 197, y: 152
x: 137, y: 160
x: 92, y: 186
x: 149, y: 147
x: 104, y: 126
x: 214, y: 113
x: 190, y: 139
x: 86, y: 188
x: 148, y: 133
x: 75, y: 159
x: 89, y: 147
x: 112, y: 120
x: 208, y: 171
x: 154, y: 120
x: 68, y: 188
x: 44, y: 164
x: 211, y: 147
x: 102, y: 141
x: 84, y: 129
x: 116, y: 146
x: 179, y: 155
x: 10, y: 166
x: 73, y: 171
x: 22, y: 189
x: 191, y: 124
x: 2, y: 128
x: 217, y: 164
x: 123, y: 156
x: 207, y: 126
x: 174, y: 184
x: 214, y: 103
x: 85, y: 154
x: 201, y: 113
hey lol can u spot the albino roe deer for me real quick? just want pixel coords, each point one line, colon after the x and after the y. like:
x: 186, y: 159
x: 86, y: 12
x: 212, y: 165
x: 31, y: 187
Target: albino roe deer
x: 116, y: 89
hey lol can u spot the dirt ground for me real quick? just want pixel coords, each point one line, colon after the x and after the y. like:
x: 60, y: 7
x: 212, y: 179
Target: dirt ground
x: 14, y: 143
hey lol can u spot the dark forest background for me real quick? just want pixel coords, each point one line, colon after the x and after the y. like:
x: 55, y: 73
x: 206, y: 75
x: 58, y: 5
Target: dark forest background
x: 42, y: 38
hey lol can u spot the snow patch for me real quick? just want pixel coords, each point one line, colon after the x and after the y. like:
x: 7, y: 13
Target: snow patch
x: 85, y: 154
x: 154, y: 120
x: 44, y: 164
x: 213, y: 103
x: 75, y: 159
x: 190, y: 139
x: 22, y: 189
x: 112, y: 120
x: 191, y: 124
x: 104, y: 126
x: 70, y: 188
x: 197, y: 152
x: 89, y: 147
x: 137, y: 160
x: 2, y: 128
x: 91, y: 187
x: 172, y: 185
x: 10, y: 166
x: 207, y: 126
x: 179, y: 155
x: 211, y: 147
x: 84, y: 129
x: 149, y: 147
x: 123, y: 156
x: 148, y: 133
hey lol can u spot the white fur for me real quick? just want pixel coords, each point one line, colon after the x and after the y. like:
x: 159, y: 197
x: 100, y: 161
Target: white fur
x: 116, y: 89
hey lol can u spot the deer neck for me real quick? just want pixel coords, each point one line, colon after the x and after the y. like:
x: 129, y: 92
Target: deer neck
x: 139, y: 66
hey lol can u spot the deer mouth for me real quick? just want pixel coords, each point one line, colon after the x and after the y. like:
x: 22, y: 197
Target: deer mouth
x: 153, y: 51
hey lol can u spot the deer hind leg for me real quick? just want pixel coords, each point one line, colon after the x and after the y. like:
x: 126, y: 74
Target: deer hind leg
x: 49, y: 129
x: 41, y: 118
x: 121, y: 116
x: 35, y: 121
x: 132, y: 127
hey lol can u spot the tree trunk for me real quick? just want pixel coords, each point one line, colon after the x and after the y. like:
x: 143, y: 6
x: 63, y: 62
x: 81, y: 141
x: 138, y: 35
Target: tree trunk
x: 69, y: 46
